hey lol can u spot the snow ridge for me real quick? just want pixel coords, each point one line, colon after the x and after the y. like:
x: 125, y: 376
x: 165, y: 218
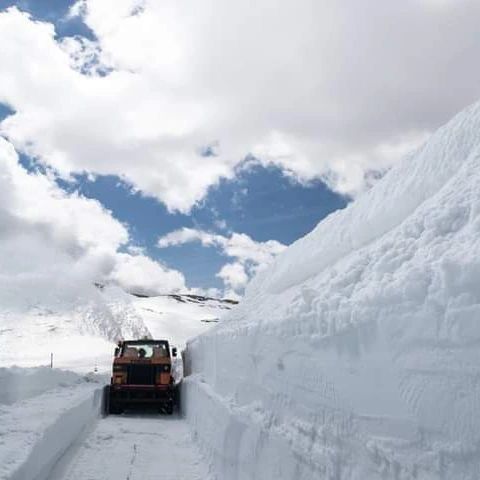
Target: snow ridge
x: 355, y: 355
x: 418, y: 177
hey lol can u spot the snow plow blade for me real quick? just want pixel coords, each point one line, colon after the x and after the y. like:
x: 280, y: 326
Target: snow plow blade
x: 117, y: 398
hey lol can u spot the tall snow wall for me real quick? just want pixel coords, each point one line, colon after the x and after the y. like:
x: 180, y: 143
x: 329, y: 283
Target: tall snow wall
x: 357, y: 354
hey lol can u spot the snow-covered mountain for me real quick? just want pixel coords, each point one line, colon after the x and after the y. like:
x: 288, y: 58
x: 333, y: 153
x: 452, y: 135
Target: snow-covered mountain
x: 356, y: 354
x: 180, y: 317
x: 81, y: 334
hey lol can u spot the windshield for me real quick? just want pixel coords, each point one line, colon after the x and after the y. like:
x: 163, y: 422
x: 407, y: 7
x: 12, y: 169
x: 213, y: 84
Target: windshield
x: 145, y: 350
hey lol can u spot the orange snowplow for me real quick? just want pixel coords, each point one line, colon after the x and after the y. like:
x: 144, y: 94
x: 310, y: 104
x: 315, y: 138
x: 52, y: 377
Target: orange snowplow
x: 141, y: 377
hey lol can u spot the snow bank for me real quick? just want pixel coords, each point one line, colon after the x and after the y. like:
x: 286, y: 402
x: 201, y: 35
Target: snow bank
x: 418, y: 178
x: 35, y: 433
x: 22, y: 383
x: 355, y: 356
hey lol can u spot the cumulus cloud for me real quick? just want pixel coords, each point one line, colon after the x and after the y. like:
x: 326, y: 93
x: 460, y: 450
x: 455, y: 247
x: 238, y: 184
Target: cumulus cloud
x: 234, y: 276
x: 49, y: 241
x: 334, y: 89
x: 140, y: 274
x: 250, y: 256
x: 125, y: 123
x: 55, y: 245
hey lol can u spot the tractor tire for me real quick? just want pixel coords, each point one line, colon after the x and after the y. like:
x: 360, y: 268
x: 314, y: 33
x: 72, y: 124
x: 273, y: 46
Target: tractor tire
x: 106, y: 401
x: 109, y: 407
x: 115, y: 409
x: 176, y: 398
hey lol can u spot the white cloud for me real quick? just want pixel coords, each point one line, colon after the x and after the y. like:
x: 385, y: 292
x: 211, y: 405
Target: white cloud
x: 140, y: 274
x: 331, y: 88
x: 221, y: 224
x: 125, y: 124
x: 238, y: 245
x: 234, y: 276
x: 51, y: 243
x: 187, y: 235
x: 250, y: 256
x: 33, y: 199
x: 54, y: 245
x: 242, y: 247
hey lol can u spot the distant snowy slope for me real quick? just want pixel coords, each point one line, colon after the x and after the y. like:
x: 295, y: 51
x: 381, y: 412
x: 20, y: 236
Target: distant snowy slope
x: 180, y: 317
x: 79, y: 333
x: 356, y: 354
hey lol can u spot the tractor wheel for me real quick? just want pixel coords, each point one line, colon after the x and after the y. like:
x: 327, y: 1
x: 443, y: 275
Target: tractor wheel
x: 109, y: 407
x: 115, y: 409
x: 166, y: 408
x: 106, y: 400
x: 176, y: 398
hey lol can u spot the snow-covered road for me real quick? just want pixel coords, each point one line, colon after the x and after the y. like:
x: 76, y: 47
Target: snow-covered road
x: 135, y: 447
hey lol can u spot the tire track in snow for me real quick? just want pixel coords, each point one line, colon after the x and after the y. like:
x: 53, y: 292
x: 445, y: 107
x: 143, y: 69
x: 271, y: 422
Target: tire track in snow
x: 135, y: 447
x: 132, y: 461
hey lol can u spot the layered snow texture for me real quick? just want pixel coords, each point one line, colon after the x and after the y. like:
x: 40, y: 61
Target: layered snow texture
x: 22, y: 383
x: 356, y: 354
x: 39, y: 422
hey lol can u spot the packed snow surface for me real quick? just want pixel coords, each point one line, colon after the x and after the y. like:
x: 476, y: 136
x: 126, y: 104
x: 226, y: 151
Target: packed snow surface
x: 136, y: 447
x: 356, y: 354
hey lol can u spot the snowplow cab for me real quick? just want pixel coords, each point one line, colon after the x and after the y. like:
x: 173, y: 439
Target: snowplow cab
x: 141, y: 376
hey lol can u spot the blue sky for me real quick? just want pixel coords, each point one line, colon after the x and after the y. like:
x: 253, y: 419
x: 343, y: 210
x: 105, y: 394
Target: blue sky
x: 260, y: 201
x: 53, y: 11
x: 125, y: 95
